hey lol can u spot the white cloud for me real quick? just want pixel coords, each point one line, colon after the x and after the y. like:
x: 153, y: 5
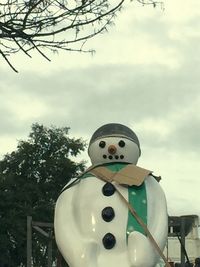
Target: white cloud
x: 26, y: 108
x: 156, y: 127
x: 7, y: 144
x: 181, y: 11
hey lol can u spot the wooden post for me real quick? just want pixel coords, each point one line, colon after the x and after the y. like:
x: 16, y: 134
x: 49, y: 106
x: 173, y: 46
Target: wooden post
x: 48, y: 234
x: 59, y: 260
x: 182, y: 230
x: 50, y: 249
x: 29, y: 241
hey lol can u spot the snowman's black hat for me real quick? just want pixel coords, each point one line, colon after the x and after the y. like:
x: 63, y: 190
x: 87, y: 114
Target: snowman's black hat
x: 115, y: 129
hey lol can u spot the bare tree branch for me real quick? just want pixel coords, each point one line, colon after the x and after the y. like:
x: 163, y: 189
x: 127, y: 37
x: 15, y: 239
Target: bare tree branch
x: 27, y: 25
x: 150, y: 2
x: 21, y: 47
x: 4, y: 56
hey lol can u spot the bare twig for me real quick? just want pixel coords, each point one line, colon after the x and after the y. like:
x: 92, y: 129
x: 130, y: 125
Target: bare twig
x: 27, y: 25
x: 12, y: 67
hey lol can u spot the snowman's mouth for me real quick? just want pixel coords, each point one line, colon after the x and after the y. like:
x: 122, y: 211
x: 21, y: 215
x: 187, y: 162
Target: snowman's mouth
x: 113, y: 157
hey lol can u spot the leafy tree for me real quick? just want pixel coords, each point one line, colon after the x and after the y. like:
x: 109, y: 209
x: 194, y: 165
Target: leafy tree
x: 30, y: 180
x: 27, y: 25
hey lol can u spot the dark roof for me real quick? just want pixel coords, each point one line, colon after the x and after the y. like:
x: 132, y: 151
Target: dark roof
x: 175, y: 222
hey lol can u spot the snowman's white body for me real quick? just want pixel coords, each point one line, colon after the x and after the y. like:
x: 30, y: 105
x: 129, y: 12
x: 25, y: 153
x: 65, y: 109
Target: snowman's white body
x: 79, y: 227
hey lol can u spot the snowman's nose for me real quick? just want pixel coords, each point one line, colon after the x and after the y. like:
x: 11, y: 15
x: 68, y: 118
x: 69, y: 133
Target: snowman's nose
x: 112, y: 149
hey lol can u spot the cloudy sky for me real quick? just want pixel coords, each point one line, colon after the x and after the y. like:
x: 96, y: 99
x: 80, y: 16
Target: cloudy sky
x: 144, y: 74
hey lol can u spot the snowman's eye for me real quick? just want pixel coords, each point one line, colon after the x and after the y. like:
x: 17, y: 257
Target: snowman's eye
x: 121, y: 143
x: 102, y: 144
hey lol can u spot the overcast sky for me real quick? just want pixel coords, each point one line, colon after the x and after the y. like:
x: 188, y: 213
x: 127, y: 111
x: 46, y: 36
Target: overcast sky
x: 145, y: 74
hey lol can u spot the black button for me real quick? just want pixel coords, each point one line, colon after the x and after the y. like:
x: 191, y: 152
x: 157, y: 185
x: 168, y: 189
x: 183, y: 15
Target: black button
x: 108, y: 214
x: 108, y: 189
x: 109, y: 241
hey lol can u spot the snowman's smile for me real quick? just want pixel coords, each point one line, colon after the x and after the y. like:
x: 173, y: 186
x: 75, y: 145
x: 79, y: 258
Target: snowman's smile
x: 113, y: 157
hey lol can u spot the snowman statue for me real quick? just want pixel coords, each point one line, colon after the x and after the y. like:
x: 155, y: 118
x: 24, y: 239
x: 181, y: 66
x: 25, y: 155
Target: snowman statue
x: 115, y: 213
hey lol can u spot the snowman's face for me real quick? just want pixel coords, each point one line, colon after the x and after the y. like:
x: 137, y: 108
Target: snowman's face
x: 113, y: 149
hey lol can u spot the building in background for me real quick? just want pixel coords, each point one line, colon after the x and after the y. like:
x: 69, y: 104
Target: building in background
x: 183, y: 239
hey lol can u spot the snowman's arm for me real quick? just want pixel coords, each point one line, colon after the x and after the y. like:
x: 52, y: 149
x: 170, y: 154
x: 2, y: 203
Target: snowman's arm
x: 157, y: 218
x: 141, y: 250
x: 68, y: 237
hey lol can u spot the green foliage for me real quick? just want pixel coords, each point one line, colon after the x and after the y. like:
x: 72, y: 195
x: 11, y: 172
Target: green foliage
x: 30, y: 180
